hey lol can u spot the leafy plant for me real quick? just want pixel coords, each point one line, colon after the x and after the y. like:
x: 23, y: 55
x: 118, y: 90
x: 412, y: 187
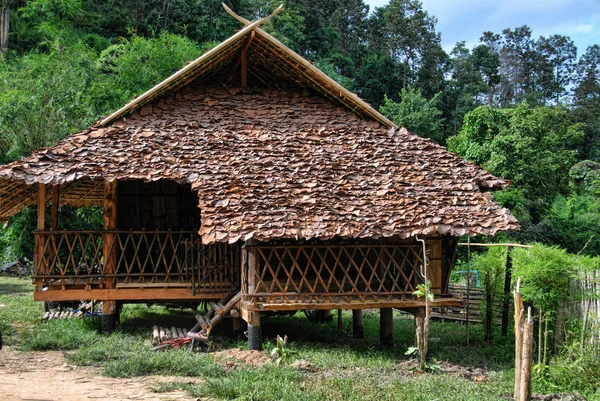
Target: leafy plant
x: 282, y: 353
x: 423, y: 289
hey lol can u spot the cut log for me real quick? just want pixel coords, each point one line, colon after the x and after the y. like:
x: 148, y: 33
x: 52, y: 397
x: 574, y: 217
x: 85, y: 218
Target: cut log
x: 216, y: 308
x: 174, y: 332
x: 168, y: 333
x: 182, y: 332
x: 162, y: 334
x: 203, y: 323
x: 155, y: 335
x: 46, y: 315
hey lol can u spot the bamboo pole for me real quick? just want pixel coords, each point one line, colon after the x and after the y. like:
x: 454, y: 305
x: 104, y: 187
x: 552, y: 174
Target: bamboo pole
x: 519, y: 321
x: 526, y: 362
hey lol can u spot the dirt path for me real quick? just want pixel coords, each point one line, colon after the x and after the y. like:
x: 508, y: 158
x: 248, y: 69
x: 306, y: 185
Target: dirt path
x: 46, y: 376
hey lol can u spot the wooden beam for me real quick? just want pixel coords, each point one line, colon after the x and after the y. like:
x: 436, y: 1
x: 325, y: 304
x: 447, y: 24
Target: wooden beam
x: 398, y: 304
x: 500, y: 244
x: 245, y: 61
x: 154, y: 294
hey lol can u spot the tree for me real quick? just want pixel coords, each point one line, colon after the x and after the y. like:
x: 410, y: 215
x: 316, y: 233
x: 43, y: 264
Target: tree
x: 376, y: 77
x: 4, y: 25
x: 532, y: 146
x: 559, y: 56
x: 586, y: 99
x: 516, y: 65
x: 416, y: 114
x: 409, y: 31
x: 487, y: 62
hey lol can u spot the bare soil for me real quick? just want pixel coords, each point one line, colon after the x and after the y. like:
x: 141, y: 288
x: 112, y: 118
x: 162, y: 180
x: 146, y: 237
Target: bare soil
x: 233, y: 358
x: 46, y: 376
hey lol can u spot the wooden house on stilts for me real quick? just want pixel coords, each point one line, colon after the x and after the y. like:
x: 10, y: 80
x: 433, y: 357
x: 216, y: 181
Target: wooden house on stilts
x: 250, y: 174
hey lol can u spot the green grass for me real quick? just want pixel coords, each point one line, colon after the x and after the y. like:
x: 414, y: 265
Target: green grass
x: 344, y: 368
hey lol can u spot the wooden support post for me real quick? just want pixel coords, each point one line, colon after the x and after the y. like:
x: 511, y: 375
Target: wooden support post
x: 386, y: 326
x: 506, y: 300
x: 109, y: 308
x: 254, y: 332
x: 421, y: 334
x: 339, y: 319
x: 41, y: 219
x: 357, y: 323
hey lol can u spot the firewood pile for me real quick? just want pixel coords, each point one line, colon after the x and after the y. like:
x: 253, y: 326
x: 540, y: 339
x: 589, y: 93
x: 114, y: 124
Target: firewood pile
x: 163, y: 334
x: 70, y: 314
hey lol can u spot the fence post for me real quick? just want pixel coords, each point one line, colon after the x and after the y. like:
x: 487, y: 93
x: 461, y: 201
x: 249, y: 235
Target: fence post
x: 506, y: 299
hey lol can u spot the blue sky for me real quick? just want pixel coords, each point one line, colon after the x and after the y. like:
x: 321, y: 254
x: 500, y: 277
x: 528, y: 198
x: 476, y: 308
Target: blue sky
x: 468, y: 19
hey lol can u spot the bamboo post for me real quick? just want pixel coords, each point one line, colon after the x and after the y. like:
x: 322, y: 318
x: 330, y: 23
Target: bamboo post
x: 254, y: 330
x: 39, y: 239
x: 109, y: 308
x: 357, y: 323
x: 526, y: 361
x: 519, y: 321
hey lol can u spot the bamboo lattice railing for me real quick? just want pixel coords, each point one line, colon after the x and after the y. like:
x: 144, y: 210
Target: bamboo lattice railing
x: 143, y: 258
x: 333, y: 273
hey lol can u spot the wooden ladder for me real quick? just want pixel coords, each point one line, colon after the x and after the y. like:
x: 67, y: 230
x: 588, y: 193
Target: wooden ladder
x: 206, y: 322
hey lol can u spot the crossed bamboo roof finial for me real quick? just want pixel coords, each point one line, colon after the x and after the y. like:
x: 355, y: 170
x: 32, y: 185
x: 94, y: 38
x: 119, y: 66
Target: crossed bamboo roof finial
x: 248, y: 22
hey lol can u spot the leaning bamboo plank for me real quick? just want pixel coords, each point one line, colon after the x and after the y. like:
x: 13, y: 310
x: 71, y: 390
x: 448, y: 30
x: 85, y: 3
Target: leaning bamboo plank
x: 46, y: 316
x: 162, y: 334
x: 174, y: 332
